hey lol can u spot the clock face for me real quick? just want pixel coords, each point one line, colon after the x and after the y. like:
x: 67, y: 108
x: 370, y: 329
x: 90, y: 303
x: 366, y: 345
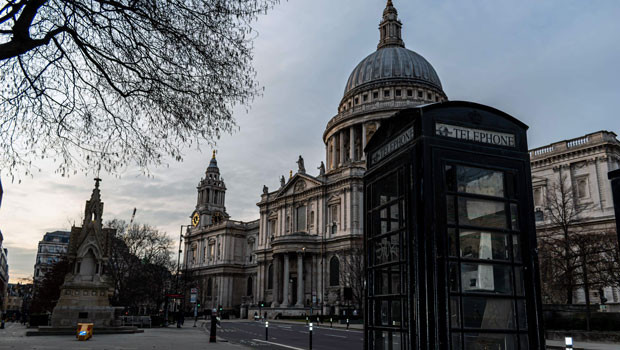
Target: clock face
x: 195, y: 219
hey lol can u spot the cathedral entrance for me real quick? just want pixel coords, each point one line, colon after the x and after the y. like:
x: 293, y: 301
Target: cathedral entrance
x: 294, y: 290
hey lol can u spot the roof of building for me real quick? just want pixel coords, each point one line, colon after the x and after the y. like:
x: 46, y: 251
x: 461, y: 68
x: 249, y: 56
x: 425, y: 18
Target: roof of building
x: 392, y: 61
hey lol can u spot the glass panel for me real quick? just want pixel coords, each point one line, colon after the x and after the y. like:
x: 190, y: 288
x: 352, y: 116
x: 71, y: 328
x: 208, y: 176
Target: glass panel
x: 452, y: 246
x: 384, y: 313
x: 383, y: 217
x: 522, y: 314
x: 385, y: 190
x: 395, y: 278
x: 396, y: 313
x: 453, y: 279
x: 488, y: 313
x: 394, y: 215
x: 480, y: 181
x: 451, y: 178
x: 396, y: 341
x: 381, y: 281
x: 519, y: 287
x: 487, y: 341
x: 450, y: 210
x: 523, y: 341
x: 387, y: 249
x: 514, y: 216
x: 483, y: 213
x: 486, y: 278
x: 455, y: 312
x: 516, y: 248
x: 456, y: 342
x: 484, y: 245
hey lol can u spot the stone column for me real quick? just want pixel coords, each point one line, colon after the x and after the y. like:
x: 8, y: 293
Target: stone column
x: 314, y: 278
x: 343, y: 152
x: 333, y: 148
x: 363, y: 141
x: 275, y: 291
x: 352, y: 143
x: 300, y: 280
x: 285, y: 299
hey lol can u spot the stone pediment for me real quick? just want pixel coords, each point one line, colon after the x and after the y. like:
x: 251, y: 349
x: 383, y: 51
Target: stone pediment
x: 298, y: 184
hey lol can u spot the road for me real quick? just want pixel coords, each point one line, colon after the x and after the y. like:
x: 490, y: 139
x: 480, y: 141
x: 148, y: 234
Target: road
x: 289, y: 336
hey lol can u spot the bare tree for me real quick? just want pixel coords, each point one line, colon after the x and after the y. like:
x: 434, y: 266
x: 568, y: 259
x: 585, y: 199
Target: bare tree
x: 104, y: 83
x: 352, y: 274
x: 140, y: 265
x: 559, y: 262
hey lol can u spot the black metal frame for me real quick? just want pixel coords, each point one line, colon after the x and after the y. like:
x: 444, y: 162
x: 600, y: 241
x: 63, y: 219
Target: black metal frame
x: 423, y: 159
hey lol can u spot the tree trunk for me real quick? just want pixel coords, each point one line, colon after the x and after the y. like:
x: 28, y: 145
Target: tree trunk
x: 586, y: 288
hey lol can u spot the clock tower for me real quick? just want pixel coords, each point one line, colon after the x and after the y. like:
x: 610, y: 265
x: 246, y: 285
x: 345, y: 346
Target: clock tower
x: 210, y: 207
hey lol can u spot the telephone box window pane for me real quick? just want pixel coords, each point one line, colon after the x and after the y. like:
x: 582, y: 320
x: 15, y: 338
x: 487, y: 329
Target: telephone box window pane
x: 396, y: 282
x: 451, y: 212
x: 453, y: 274
x: 455, y: 312
x: 516, y: 248
x: 519, y: 288
x: 489, y: 341
x: 381, y: 281
x: 452, y: 245
x: 514, y: 216
x: 394, y: 216
x: 385, y: 190
x: 480, y: 181
x: 451, y: 178
x: 484, y: 245
x: 483, y: 213
x: 523, y: 341
x: 384, y: 313
x: 387, y: 249
x: 456, y: 342
x: 486, y: 278
x: 396, y: 313
x: 488, y: 313
x: 521, y: 314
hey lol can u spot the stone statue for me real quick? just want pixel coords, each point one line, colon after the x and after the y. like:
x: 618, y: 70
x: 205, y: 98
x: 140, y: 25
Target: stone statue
x: 321, y: 169
x: 282, y: 181
x: 265, y: 189
x: 300, y: 163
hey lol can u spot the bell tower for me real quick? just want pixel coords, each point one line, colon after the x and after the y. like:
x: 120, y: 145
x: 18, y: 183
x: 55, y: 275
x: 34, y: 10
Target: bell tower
x: 210, y: 208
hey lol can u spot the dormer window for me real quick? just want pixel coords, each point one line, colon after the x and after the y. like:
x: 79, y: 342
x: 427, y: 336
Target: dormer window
x: 386, y: 93
x: 410, y: 93
x: 375, y: 95
x: 420, y: 94
x: 397, y: 93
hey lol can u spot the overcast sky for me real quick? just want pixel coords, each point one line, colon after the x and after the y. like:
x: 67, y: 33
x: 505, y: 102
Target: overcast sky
x: 552, y: 64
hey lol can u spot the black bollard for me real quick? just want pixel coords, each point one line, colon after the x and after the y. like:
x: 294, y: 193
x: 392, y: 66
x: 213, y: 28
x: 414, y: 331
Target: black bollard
x: 310, y: 347
x: 347, y: 323
x: 212, y: 337
x: 331, y: 322
x: 266, y: 330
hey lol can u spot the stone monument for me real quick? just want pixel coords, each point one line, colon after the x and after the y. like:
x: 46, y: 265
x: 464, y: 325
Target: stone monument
x: 84, y: 296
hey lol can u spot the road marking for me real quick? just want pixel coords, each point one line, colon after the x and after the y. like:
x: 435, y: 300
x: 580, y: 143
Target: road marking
x: 282, y: 345
x: 337, y: 336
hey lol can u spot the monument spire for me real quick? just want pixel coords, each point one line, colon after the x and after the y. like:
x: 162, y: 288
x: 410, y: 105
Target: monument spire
x: 390, y: 28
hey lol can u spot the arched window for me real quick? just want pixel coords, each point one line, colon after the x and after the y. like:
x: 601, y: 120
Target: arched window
x: 209, y: 287
x: 270, y: 277
x: 334, y: 271
x: 250, y: 290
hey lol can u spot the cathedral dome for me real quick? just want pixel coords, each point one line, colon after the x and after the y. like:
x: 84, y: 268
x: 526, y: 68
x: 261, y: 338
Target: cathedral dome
x: 392, y: 63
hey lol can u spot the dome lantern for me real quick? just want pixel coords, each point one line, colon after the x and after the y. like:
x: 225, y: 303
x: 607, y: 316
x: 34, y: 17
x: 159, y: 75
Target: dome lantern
x: 390, y: 28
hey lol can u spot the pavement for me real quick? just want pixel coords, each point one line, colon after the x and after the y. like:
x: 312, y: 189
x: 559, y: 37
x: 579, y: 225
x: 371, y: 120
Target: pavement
x: 186, y: 338
x: 558, y: 344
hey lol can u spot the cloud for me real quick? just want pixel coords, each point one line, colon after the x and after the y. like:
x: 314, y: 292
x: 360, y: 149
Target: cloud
x: 552, y: 64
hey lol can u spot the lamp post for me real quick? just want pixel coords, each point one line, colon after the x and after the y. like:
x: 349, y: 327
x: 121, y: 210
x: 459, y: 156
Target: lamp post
x: 176, y: 285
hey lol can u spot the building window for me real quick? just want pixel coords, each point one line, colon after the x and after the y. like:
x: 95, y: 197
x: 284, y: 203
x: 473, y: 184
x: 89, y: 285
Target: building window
x: 409, y: 93
x: 272, y: 227
x: 333, y: 213
x: 365, y: 97
x: 420, y: 94
x: 538, y: 196
x: 288, y: 223
x: 429, y: 96
x: 375, y: 95
x: 270, y: 277
x: 301, y: 218
x: 209, y: 287
x: 250, y: 290
x: 357, y: 100
x: 539, y: 215
x: 397, y: 92
x: 386, y: 93
x: 582, y: 188
x: 312, y: 219
x: 334, y: 271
